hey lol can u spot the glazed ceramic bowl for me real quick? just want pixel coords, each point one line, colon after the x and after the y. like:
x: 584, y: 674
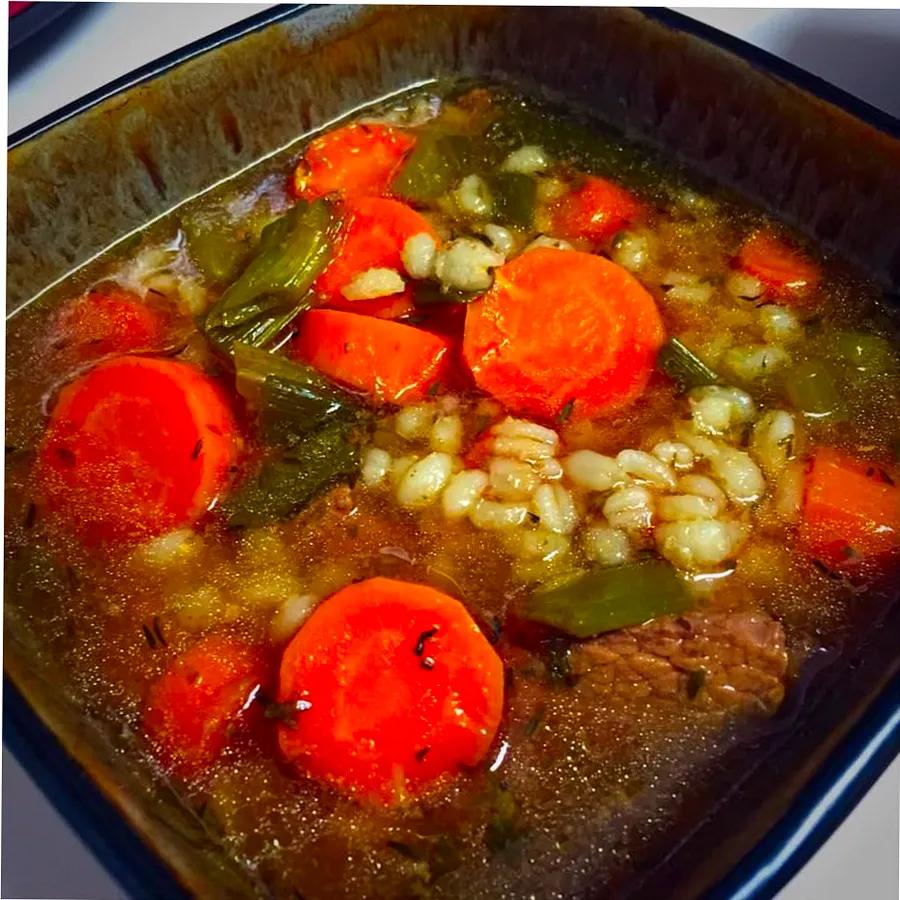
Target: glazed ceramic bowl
x: 811, y: 155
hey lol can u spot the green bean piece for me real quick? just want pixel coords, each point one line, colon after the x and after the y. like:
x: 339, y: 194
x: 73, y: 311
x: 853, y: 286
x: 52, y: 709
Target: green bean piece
x: 439, y: 162
x: 515, y: 196
x: 274, y: 288
x: 813, y: 389
x: 292, y: 399
x: 214, y: 248
x: 284, y: 484
x: 609, y: 598
x: 684, y: 366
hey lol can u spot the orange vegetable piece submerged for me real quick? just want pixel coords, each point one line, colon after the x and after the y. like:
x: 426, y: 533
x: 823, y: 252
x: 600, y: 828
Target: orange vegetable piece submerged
x: 563, y: 332
x: 97, y: 325
x: 356, y: 160
x: 596, y: 210
x: 851, y: 510
x: 784, y: 271
x: 135, y: 447
x: 193, y: 707
x: 389, y: 361
x: 371, y: 237
x: 398, y: 687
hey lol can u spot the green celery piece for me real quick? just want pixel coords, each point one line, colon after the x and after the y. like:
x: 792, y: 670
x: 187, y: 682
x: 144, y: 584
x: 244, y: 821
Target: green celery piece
x: 274, y: 288
x: 609, y: 598
x: 515, y: 196
x: 813, y: 388
x: 283, y: 485
x: 684, y: 366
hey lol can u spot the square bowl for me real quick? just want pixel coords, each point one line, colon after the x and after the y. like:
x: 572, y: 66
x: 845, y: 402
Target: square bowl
x: 784, y: 139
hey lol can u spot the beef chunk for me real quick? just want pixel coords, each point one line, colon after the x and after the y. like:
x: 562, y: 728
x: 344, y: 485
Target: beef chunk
x: 732, y: 661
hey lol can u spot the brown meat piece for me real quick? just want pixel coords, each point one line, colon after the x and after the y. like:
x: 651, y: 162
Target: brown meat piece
x: 733, y: 661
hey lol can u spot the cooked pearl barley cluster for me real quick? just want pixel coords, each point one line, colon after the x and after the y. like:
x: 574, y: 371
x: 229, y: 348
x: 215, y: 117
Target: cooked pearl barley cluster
x: 688, y: 496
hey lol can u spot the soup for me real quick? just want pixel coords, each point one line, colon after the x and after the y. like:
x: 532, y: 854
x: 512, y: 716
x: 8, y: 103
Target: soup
x: 431, y: 506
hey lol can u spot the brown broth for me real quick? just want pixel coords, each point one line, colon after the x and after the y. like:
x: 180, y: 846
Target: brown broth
x: 581, y: 770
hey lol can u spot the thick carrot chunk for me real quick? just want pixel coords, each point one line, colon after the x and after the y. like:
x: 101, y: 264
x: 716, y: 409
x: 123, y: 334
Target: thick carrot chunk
x: 596, y: 210
x: 97, y: 325
x: 135, y: 447
x: 389, y: 361
x: 357, y: 160
x: 784, y: 271
x: 851, y: 510
x: 563, y: 332
x: 372, y: 237
x: 396, y: 686
x: 194, y: 706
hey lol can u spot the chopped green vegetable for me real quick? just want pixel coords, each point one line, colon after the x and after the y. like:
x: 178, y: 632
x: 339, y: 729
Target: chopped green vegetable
x: 436, y: 165
x: 505, y: 826
x: 514, y: 197
x: 684, y: 366
x: 214, y: 247
x: 867, y: 353
x: 440, y: 855
x: 589, y: 147
x: 813, y: 389
x: 274, y: 288
x: 292, y: 399
x: 610, y: 598
x: 286, y: 483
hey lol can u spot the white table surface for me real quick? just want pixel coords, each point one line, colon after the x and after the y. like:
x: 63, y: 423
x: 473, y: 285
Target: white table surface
x: 859, y: 50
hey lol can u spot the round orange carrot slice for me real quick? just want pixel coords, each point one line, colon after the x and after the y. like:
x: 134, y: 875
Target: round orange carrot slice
x: 389, y: 361
x: 372, y: 237
x: 785, y: 272
x: 396, y: 688
x: 356, y: 160
x: 596, y: 210
x: 563, y: 332
x: 851, y: 510
x: 97, y: 325
x: 135, y: 447
x: 192, y: 708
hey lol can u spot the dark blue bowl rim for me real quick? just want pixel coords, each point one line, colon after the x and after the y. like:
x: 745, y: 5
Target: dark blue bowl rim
x: 819, y: 808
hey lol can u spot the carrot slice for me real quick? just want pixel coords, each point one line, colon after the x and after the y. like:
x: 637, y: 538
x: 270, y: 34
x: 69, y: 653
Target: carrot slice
x: 192, y: 709
x: 356, y: 160
x: 596, y: 210
x: 851, y: 510
x: 563, y: 332
x: 372, y: 237
x: 398, y: 688
x: 785, y: 272
x: 389, y: 361
x: 97, y: 325
x: 135, y: 447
